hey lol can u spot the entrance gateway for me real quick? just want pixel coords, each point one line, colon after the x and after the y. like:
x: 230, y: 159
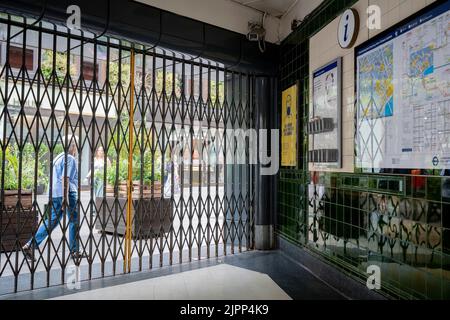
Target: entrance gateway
x: 145, y: 197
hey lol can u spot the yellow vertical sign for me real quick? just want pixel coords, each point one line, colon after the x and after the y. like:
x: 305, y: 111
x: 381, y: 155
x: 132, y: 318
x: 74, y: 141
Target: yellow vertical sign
x: 289, y: 127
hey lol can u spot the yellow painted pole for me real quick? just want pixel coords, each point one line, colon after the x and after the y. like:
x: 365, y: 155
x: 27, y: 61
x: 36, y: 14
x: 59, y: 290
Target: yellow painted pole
x: 127, y: 261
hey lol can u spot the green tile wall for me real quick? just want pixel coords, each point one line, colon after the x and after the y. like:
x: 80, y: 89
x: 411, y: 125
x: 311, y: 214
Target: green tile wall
x: 398, y: 222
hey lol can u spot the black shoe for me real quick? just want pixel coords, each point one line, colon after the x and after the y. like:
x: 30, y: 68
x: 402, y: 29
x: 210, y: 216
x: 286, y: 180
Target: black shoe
x: 28, y: 253
x: 77, y: 256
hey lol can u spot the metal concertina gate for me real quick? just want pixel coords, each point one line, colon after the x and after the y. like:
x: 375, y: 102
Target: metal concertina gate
x: 146, y: 197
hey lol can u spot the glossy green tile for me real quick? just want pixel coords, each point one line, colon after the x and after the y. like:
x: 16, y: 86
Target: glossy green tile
x: 403, y: 219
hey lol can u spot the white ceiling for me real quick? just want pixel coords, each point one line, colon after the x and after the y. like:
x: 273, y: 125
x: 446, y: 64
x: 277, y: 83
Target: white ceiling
x: 235, y: 14
x: 276, y: 8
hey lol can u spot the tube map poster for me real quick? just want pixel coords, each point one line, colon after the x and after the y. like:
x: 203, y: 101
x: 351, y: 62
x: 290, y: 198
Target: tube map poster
x: 403, y: 95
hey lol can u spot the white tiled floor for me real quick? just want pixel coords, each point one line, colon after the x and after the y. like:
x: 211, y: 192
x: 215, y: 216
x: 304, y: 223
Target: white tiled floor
x: 222, y: 282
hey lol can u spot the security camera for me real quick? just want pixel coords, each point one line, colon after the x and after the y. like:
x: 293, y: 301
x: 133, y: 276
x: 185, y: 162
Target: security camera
x: 295, y: 23
x: 256, y: 32
x: 251, y: 36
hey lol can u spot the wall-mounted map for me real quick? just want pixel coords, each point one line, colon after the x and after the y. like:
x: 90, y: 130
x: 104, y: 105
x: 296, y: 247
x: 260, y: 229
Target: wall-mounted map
x: 403, y: 95
x: 376, y: 85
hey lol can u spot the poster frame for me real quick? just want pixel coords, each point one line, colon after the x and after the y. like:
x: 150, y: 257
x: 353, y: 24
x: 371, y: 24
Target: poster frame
x: 297, y: 94
x: 330, y: 165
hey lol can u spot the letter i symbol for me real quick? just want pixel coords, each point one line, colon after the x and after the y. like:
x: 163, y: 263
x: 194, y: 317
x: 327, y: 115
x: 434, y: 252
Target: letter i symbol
x: 346, y: 28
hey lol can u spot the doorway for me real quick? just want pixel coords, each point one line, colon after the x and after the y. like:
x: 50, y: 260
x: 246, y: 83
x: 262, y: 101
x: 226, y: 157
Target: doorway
x: 152, y: 129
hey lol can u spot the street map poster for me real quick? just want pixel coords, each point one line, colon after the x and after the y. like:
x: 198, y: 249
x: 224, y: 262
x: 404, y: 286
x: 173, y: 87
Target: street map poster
x: 289, y: 127
x: 403, y: 95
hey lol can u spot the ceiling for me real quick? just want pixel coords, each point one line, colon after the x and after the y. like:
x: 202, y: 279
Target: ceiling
x: 276, y: 8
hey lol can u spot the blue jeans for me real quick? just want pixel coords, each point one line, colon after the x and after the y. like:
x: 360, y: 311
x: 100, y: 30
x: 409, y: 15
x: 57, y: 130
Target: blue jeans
x: 55, y: 217
x: 98, y: 187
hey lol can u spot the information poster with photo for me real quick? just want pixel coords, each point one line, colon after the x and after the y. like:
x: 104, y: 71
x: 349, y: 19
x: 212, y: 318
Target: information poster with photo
x: 403, y: 95
x: 289, y: 127
x: 325, y: 122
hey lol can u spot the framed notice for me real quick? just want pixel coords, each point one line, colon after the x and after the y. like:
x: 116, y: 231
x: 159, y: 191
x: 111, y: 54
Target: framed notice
x: 324, y: 127
x: 403, y: 94
x: 289, y: 127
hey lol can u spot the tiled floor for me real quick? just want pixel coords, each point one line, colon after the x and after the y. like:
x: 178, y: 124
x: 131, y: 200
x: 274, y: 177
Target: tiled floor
x: 251, y: 275
x: 221, y: 282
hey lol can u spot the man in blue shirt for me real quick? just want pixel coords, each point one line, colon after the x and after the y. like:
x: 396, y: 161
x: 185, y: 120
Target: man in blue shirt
x: 62, y: 181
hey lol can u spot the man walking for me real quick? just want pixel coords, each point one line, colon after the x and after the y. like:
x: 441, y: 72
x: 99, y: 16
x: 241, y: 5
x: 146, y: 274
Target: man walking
x: 63, y: 181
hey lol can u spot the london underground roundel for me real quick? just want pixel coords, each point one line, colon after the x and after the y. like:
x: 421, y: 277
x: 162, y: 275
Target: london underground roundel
x: 348, y: 28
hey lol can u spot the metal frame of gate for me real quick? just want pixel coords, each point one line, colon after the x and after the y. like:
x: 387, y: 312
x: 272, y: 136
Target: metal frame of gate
x: 128, y: 99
